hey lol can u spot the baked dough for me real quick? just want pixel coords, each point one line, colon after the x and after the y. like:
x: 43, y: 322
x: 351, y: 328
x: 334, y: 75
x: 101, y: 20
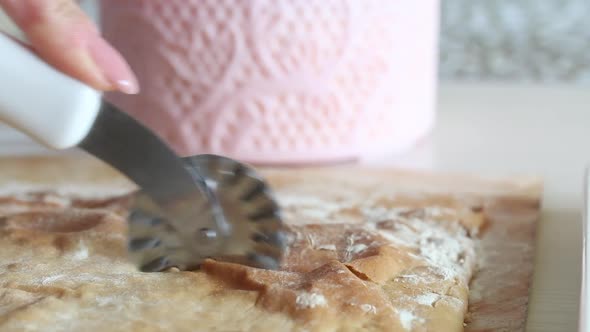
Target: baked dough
x: 363, y: 255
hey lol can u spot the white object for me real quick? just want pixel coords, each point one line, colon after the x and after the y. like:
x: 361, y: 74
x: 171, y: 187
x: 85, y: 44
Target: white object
x: 584, y: 294
x: 54, y: 109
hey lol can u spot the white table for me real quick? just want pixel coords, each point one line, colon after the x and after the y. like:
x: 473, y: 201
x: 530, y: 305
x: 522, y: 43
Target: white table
x: 544, y: 130
x: 499, y: 129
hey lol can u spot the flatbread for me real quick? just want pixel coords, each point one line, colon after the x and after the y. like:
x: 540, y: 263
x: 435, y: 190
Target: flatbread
x: 372, y: 250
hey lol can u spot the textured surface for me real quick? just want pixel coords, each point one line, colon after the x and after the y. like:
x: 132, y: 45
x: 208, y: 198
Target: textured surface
x: 375, y: 257
x: 526, y: 40
x: 280, y: 81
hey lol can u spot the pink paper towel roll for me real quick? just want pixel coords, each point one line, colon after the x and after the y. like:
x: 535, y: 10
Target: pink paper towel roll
x: 280, y: 81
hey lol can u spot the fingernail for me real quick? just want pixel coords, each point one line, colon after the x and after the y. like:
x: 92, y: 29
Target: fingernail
x: 114, y: 68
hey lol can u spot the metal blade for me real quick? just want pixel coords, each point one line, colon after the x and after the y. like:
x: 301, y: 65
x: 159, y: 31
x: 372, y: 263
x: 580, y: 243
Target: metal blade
x: 183, y: 197
x: 258, y: 237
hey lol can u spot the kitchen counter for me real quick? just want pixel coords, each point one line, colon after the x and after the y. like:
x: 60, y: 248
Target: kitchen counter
x: 503, y: 130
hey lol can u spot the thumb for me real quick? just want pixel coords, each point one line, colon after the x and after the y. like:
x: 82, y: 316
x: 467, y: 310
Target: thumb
x: 66, y: 38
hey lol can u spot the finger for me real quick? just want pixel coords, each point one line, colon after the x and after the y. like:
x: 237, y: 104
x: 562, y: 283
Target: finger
x: 65, y: 37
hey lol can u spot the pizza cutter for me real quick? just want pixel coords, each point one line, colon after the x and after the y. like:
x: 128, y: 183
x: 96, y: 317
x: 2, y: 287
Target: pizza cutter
x: 185, y: 209
x: 256, y: 237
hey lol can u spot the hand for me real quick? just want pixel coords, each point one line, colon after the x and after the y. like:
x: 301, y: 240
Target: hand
x: 66, y: 38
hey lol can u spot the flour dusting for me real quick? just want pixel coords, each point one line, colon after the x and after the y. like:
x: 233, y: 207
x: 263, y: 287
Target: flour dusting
x: 310, y: 300
x: 427, y: 299
x: 353, y: 248
x: 310, y: 207
x: 104, y: 300
x: 357, y: 248
x: 81, y: 253
x: 408, y: 319
x: 369, y: 308
x: 444, y: 245
x: 329, y: 247
x: 51, y: 279
x: 434, y: 237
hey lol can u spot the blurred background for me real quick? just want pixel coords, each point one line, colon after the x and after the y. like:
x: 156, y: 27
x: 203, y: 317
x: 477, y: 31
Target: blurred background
x: 520, y: 41
x: 525, y: 41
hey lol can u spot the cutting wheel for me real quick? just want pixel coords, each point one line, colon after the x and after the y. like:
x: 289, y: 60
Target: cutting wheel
x: 255, y: 234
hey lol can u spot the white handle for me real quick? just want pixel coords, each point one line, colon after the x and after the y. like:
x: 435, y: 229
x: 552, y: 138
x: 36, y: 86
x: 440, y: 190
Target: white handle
x: 51, y: 107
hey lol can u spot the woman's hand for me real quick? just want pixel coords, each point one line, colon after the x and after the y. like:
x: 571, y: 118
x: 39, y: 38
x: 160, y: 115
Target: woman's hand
x: 66, y: 38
